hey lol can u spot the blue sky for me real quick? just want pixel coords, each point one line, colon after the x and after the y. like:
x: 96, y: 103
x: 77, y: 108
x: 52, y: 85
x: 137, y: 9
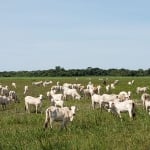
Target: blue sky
x: 74, y: 34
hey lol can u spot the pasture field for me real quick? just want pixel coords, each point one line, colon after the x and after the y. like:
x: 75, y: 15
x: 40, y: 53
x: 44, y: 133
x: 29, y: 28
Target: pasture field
x: 90, y: 129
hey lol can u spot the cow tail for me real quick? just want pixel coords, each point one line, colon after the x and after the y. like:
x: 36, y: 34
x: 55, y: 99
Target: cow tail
x: 25, y: 108
x: 133, y: 110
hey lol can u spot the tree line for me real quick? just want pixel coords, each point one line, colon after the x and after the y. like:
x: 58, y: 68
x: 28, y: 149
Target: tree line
x: 59, y: 71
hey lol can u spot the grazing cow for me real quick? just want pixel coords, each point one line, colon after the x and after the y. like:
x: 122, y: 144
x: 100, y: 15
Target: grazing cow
x: 141, y: 89
x: 45, y: 83
x: 102, y: 99
x: 64, y: 115
x: 37, y: 83
x: 36, y: 101
x: 126, y: 106
x: 71, y: 92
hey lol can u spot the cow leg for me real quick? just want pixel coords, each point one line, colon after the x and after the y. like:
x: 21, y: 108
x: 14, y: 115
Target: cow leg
x: 27, y: 107
x: 143, y: 104
x: 47, y: 119
x: 36, y: 108
x: 46, y: 123
x: 51, y: 120
x: 130, y: 114
x: 41, y: 108
x: 63, y: 124
x: 119, y: 114
x: 4, y: 106
x: 93, y: 105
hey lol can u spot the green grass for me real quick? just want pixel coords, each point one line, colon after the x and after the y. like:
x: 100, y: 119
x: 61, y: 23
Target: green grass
x: 90, y: 129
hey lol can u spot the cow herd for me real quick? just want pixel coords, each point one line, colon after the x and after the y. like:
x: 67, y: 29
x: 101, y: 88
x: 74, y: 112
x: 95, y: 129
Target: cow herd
x: 58, y: 94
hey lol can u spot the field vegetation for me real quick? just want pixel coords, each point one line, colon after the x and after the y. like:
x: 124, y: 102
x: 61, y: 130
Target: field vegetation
x: 90, y: 129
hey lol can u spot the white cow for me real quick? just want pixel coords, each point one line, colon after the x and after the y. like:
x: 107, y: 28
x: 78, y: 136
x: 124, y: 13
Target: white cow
x: 45, y: 83
x: 86, y: 92
x: 106, y: 98
x: 102, y: 99
x: 64, y: 115
x: 144, y: 97
x: 58, y: 103
x: 96, y: 98
x: 125, y: 106
x: 52, y: 95
x: 4, y: 100
x: 38, y: 83
x: 71, y: 92
x: 36, y: 101
x: 56, y: 99
x: 141, y: 89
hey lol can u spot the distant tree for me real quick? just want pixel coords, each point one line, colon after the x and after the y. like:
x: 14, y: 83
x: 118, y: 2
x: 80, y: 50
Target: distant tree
x: 59, y: 71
